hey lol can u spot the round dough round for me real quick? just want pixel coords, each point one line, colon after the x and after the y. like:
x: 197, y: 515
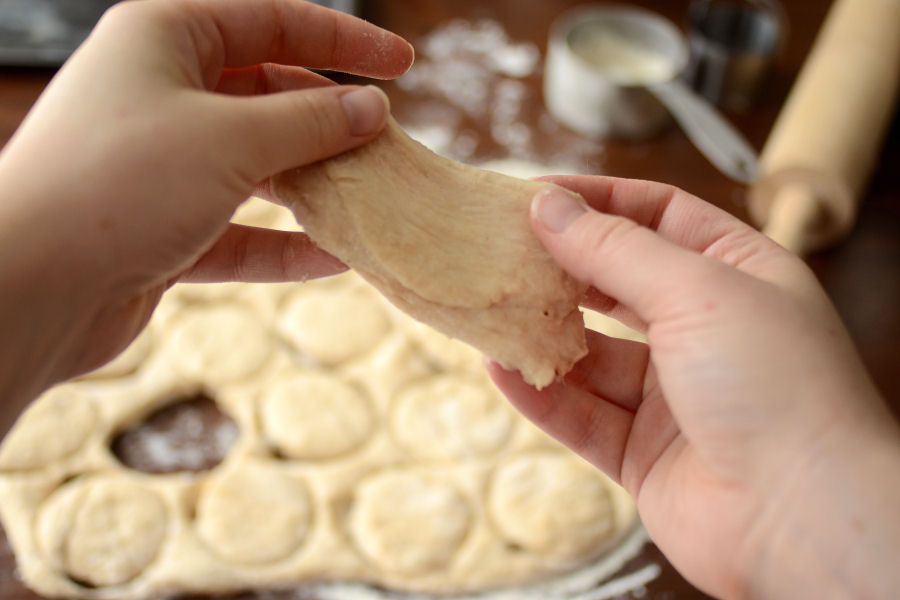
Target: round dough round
x: 254, y: 515
x: 312, y: 416
x: 256, y: 212
x: 447, y: 416
x: 55, y: 426
x: 333, y: 327
x: 103, y: 532
x: 408, y: 523
x: 446, y: 353
x: 219, y: 343
x: 552, y: 504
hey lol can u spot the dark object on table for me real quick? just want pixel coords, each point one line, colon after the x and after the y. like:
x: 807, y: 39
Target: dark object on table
x: 44, y: 33
x: 40, y: 33
x: 733, y: 44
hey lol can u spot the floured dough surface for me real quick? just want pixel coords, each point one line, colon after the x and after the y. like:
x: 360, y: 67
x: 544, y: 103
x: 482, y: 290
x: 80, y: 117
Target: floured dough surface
x: 447, y: 243
x: 409, y: 522
x: 313, y: 416
x: 254, y: 514
x: 552, y: 504
x: 364, y: 448
x: 219, y: 343
x: 332, y: 327
x: 49, y: 430
x: 450, y: 417
x: 102, y: 531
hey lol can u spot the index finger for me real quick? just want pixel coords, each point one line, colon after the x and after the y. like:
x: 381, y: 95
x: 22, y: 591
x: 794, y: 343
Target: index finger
x: 241, y: 33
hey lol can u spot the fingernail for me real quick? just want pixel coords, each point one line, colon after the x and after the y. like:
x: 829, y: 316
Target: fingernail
x: 366, y: 109
x: 555, y: 209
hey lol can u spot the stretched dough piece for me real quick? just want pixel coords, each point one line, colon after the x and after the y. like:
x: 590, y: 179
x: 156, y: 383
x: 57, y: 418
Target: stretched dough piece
x: 447, y: 243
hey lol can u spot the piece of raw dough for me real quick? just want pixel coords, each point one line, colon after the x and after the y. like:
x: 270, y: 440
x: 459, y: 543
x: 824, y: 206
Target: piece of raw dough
x: 333, y: 326
x: 552, y: 504
x: 49, y: 430
x: 314, y: 416
x: 450, y: 417
x: 254, y: 515
x: 449, y: 244
x: 219, y: 343
x: 102, y: 531
x: 408, y: 522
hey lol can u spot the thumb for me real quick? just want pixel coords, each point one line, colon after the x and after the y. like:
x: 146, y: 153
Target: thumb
x: 620, y: 258
x: 275, y: 132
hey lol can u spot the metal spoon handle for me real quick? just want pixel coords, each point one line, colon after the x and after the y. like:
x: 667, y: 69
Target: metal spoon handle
x: 723, y: 145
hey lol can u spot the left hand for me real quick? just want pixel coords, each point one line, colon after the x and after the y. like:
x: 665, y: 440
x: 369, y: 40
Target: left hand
x: 125, y: 174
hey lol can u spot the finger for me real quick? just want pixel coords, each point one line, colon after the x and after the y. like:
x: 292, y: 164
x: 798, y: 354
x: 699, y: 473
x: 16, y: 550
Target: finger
x: 613, y: 369
x: 260, y: 255
x: 265, y: 135
x: 622, y: 259
x: 589, y: 425
x: 677, y: 216
x: 237, y: 33
x: 268, y: 78
x: 596, y: 300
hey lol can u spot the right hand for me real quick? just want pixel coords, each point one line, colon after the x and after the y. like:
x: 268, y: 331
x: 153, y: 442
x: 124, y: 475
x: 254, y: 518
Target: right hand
x: 747, y: 430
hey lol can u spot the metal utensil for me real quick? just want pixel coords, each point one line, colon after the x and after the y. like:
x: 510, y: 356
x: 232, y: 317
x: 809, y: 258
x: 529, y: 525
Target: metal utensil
x: 733, y: 44
x: 612, y: 71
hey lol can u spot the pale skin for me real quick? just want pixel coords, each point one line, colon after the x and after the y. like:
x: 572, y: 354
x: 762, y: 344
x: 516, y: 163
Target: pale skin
x: 762, y: 459
x: 123, y: 177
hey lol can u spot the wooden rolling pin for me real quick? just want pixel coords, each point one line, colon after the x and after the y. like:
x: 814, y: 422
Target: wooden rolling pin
x: 826, y: 141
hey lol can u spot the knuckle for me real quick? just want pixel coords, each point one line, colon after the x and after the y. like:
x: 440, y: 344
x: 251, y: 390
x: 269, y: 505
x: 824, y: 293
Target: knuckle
x: 321, y: 122
x: 609, y: 236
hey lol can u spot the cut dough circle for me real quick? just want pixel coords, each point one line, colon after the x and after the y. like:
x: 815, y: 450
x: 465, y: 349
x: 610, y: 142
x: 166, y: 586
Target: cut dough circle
x: 407, y: 522
x: 254, y: 515
x: 103, y: 531
x: 450, y: 416
x: 51, y: 429
x: 219, y: 343
x: 446, y: 353
x: 313, y: 416
x: 333, y: 327
x: 552, y: 504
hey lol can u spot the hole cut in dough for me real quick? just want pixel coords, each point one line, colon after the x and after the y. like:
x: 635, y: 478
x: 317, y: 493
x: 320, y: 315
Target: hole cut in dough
x: 254, y: 515
x: 191, y: 434
x: 314, y: 416
x: 447, y: 243
x: 450, y: 417
x: 102, y: 531
x: 407, y: 522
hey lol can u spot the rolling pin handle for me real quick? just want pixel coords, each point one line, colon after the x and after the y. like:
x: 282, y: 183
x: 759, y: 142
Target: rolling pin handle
x: 794, y: 213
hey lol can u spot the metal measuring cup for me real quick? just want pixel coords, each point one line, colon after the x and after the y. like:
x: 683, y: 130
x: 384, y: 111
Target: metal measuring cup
x: 733, y: 44
x: 613, y: 71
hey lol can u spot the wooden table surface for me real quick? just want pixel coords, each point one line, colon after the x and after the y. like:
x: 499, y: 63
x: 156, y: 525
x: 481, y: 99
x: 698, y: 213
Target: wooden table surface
x: 862, y: 274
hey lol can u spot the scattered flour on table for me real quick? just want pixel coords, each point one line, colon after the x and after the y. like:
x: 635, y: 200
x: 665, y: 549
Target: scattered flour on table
x: 476, y: 67
x: 473, y: 73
